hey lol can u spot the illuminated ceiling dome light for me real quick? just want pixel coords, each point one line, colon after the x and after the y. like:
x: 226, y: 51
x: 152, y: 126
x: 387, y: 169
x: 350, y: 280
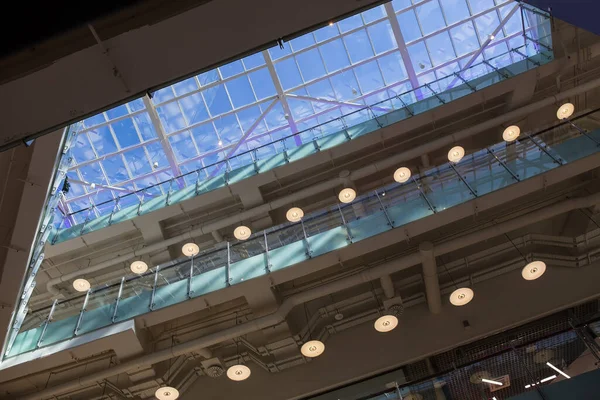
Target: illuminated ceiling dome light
x: 190, y: 249
x: 81, y: 285
x: 294, y: 214
x: 565, y: 111
x: 456, y: 154
x: 347, y: 195
x: 166, y: 393
x: 533, y: 270
x: 402, y: 174
x: 313, y: 348
x: 511, y: 133
x: 238, y: 372
x: 242, y: 232
x: 386, y: 323
x: 461, y: 296
x: 138, y: 267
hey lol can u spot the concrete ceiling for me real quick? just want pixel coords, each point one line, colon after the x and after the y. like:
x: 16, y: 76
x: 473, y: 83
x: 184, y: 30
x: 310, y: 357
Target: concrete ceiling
x: 279, y: 372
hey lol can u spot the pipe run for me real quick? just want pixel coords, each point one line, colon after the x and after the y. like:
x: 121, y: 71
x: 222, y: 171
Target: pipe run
x: 390, y: 162
x: 367, y: 275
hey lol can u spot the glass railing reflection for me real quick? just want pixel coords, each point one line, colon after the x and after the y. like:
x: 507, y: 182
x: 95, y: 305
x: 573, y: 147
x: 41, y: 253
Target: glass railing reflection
x: 387, y: 208
x: 321, y: 137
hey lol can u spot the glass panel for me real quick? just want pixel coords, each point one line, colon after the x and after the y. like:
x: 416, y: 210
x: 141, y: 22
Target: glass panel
x: 100, y: 307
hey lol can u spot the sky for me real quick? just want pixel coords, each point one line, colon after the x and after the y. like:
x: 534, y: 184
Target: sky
x: 302, y: 89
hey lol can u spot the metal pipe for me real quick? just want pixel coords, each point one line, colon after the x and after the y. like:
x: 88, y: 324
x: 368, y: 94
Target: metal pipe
x: 430, y: 277
x: 363, y: 172
x: 367, y: 275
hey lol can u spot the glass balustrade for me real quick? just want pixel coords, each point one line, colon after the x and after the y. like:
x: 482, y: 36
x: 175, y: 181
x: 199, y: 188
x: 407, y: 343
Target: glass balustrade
x: 321, y: 137
x: 318, y: 233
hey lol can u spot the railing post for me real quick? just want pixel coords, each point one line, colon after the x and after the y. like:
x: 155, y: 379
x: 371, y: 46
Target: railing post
x: 46, y: 322
x: 463, y: 180
x: 268, y: 257
x: 544, y: 149
x: 83, y: 307
x: 514, y: 176
x: 154, y: 288
x: 384, y: 209
x: 422, y: 193
x: 189, y: 283
x: 227, y: 271
x: 114, y: 316
x: 348, y: 233
x: 306, y: 243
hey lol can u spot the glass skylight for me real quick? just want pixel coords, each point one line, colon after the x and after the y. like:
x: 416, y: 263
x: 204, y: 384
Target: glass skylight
x: 254, y: 101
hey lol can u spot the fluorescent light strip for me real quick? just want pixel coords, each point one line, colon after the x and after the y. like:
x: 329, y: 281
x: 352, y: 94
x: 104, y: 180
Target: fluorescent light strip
x: 492, y: 382
x: 558, y: 370
x: 548, y: 378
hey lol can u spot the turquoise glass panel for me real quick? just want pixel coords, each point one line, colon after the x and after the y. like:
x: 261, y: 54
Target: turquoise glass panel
x: 484, y: 173
x: 209, y: 281
x: 183, y: 194
x: 154, y: 203
x: 290, y: 254
x: 362, y: 129
x: 95, y: 224
x: 301, y: 151
x: 212, y: 184
x: 272, y: 162
x: 171, y: 293
x: 248, y: 268
x: 332, y: 140
x: 241, y: 173
x: 327, y: 241
x: 26, y: 341
x: 444, y: 188
x: 59, y: 330
x: 368, y: 226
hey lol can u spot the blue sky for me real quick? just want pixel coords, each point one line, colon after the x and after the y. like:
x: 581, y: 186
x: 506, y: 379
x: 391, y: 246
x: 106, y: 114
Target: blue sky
x: 322, y: 75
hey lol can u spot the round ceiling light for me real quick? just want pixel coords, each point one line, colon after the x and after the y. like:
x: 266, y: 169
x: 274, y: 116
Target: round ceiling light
x: 138, y: 267
x: 461, y: 296
x: 533, y: 270
x: 166, y: 393
x: 238, y: 372
x: 81, y: 285
x: 456, y: 154
x: 347, y: 195
x: 511, y: 133
x: 294, y: 214
x: 402, y: 174
x: 313, y: 348
x: 386, y: 323
x: 565, y: 111
x: 190, y: 249
x: 242, y: 232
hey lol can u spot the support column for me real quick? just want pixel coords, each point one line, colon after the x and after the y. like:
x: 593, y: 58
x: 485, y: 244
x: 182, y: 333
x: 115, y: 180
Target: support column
x: 430, y: 277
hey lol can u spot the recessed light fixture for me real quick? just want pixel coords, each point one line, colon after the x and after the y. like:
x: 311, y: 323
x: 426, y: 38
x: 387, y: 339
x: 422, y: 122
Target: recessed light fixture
x: 402, y: 174
x: 242, y: 232
x: 548, y: 378
x: 190, y: 249
x: 491, y: 382
x: 558, y: 370
x: 138, y: 267
x: 81, y: 285
x: 533, y: 270
x: 461, y: 296
x: 238, y: 372
x: 294, y: 214
x: 565, y: 111
x: 386, y: 323
x: 166, y: 393
x: 347, y: 195
x: 511, y: 133
x: 313, y: 348
x: 456, y: 154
